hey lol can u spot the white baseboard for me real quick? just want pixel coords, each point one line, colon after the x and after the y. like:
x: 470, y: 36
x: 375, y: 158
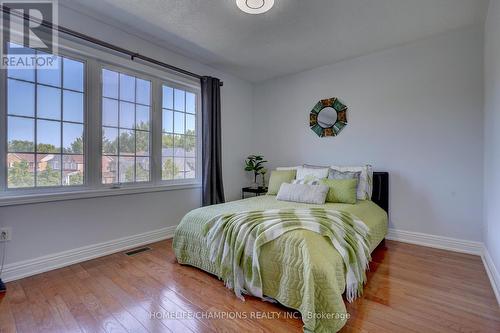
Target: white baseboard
x: 492, y: 272
x: 46, y: 263
x: 438, y: 242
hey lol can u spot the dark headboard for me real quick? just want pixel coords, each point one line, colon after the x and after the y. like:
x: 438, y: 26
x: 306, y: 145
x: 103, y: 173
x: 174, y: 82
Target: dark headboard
x: 380, y: 194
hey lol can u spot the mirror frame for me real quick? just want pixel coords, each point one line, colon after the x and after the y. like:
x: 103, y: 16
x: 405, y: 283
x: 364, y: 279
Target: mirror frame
x: 339, y: 125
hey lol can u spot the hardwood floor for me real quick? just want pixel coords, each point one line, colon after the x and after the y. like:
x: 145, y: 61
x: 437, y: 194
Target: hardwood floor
x: 410, y: 289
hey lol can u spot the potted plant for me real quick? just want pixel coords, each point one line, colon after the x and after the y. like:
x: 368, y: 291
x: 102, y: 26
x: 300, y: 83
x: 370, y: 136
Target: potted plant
x: 255, y: 164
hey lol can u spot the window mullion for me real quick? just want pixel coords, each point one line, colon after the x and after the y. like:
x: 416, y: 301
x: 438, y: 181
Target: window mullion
x: 3, y: 130
x: 93, y: 109
x: 61, y: 139
x: 199, y: 137
x: 35, y: 137
x: 156, y: 131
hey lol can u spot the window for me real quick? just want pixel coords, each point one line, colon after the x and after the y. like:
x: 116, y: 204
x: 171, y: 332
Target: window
x: 46, y: 125
x: 178, y: 134
x: 126, y: 118
x: 94, y: 126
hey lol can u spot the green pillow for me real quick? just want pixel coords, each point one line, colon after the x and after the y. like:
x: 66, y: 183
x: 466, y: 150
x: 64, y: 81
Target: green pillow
x: 279, y: 177
x: 341, y: 190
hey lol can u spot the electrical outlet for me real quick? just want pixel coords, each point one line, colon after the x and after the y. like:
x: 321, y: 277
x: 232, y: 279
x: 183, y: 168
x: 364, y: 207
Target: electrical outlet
x: 5, y: 234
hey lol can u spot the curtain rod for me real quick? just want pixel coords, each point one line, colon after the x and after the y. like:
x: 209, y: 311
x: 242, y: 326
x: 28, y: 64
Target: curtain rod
x: 73, y: 33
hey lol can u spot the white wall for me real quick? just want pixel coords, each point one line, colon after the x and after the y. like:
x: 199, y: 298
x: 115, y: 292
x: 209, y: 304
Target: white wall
x: 492, y: 134
x: 43, y: 229
x: 415, y: 111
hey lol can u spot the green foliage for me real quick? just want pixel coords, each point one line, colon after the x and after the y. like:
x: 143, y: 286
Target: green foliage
x: 188, y: 141
x: 48, y: 177
x: 20, y: 175
x: 169, y: 169
x: 47, y: 148
x: 127, y: 142
x: 109, y: 147
x: 129, y: 139
x: 143, y: 126
x: 142, y: 142
x: 129, y: 173
x: 24, y: 146
x: 21, y: 146
x: 76, y: 179
x: 141, y: 175
x: 76, y: 147
x: 255, y: 163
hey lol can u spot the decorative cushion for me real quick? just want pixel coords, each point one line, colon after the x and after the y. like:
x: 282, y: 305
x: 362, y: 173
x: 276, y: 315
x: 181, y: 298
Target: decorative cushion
x: 308, y: 181
x: 341, y: 190
x: 335, y: 174
x: 311, y: 194
x: 312, y: 173
x: 279, y: 177
x: 365, y: 185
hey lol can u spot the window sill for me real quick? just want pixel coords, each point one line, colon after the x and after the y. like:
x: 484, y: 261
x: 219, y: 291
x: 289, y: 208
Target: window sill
x: 17, y: 199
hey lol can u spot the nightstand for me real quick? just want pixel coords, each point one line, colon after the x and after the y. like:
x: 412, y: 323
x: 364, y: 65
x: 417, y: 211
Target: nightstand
x: 257, y: 191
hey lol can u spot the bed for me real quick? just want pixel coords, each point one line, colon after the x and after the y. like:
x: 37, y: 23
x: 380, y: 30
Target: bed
x: 313, y: 282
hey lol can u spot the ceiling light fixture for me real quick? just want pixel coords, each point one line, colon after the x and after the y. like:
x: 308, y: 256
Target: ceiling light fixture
x: 255, y: 6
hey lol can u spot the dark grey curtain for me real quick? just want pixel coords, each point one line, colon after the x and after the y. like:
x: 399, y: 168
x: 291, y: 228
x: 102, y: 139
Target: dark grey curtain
x: 213, y: 191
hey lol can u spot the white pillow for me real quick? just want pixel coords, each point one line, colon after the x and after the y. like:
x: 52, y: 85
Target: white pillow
x: 288, y: 168
x: 311, y: 173
x: 303, y: 193
x: 314, y: 166
x: 365, y: 184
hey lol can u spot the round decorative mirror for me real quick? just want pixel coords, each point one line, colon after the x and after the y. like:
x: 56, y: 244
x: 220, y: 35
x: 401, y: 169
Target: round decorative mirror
x: 328, y: 117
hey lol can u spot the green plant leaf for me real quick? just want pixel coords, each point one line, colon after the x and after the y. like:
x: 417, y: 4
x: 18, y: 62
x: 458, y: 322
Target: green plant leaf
x: 255, y: 163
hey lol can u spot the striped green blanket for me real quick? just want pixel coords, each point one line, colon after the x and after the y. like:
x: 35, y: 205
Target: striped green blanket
x: 234, y: 241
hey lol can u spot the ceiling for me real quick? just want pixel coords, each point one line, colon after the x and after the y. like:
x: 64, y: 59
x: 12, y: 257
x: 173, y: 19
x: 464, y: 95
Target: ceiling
x: 293, y: 36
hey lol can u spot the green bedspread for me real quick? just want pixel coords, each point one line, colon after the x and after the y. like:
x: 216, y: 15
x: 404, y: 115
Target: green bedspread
x: 301, y: 269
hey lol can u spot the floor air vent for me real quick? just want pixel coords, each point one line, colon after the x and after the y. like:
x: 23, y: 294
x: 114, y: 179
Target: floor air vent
x: 137, y: 251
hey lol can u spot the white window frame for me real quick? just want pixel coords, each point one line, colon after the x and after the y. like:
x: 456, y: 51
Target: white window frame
x: 12, y: 192
x: 138, y: 75
x: 198, y: 132
x: 94, y: 60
